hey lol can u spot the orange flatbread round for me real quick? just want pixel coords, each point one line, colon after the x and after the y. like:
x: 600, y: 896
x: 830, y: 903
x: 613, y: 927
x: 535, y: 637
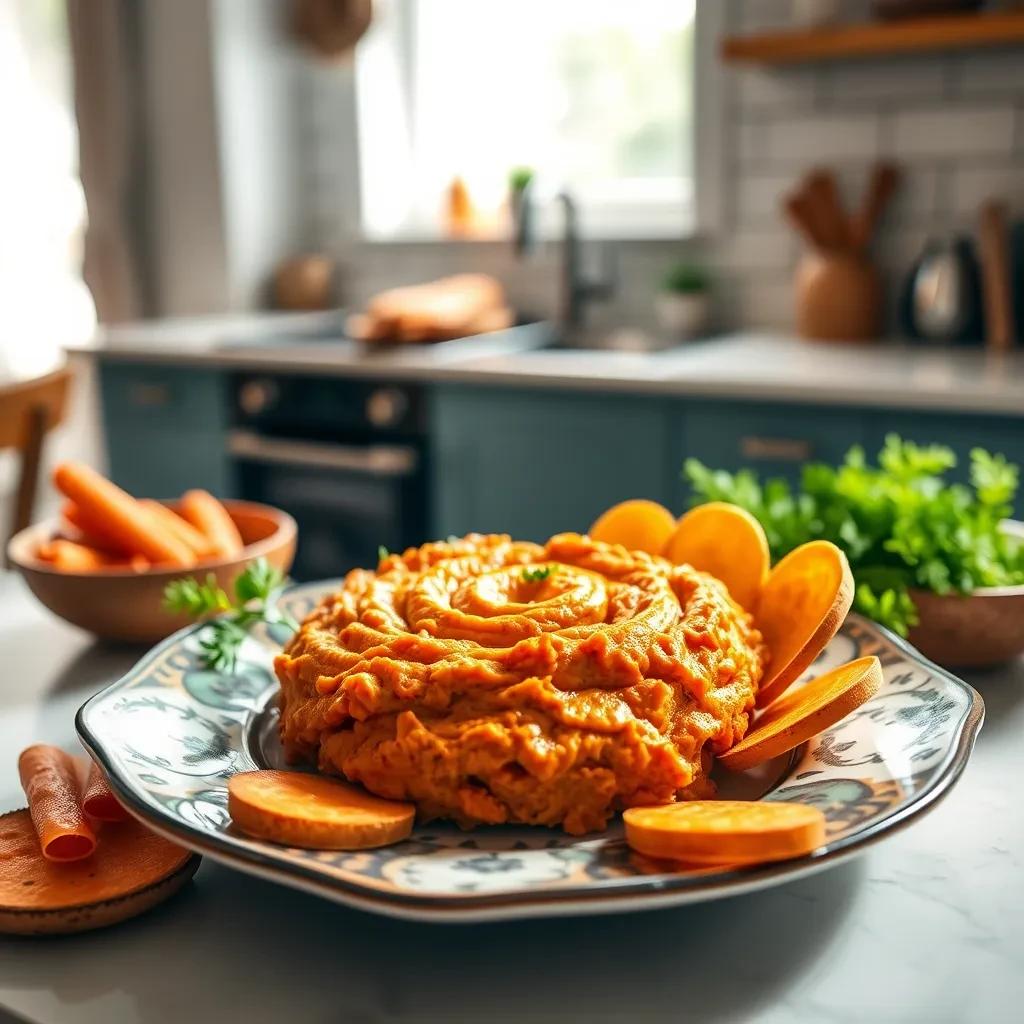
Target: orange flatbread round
x: 727, y: 542
x: 802, y: 605
x: 638, y: 525
x: 803, y: 713
x: 725, y: 832
x: 315, y: 813
x: 131, y: 870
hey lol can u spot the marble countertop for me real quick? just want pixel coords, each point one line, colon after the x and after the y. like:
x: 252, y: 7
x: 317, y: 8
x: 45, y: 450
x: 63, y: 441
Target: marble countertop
x: 748, y: 366
x: 925, y: 926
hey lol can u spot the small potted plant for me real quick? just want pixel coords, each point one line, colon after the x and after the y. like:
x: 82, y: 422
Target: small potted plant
x: 683, y: 301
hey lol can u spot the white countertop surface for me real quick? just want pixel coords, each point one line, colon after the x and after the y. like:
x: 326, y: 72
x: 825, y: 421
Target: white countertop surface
x: 751, y: 365
x: 926, y: 926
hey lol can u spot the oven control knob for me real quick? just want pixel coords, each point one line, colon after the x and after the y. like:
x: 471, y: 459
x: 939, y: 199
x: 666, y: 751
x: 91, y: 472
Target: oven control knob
x: 386, y: 407
x: 257, y: 396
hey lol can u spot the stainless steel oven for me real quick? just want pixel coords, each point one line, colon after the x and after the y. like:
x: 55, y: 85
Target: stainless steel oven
x: 347, y: 458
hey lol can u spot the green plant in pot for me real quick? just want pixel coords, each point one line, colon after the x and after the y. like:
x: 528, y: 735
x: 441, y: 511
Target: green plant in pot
x: 683, y: 301
x: 937, y: 561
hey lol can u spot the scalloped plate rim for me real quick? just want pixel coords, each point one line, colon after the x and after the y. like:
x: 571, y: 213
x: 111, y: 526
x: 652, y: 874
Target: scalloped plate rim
x: 600, y: 896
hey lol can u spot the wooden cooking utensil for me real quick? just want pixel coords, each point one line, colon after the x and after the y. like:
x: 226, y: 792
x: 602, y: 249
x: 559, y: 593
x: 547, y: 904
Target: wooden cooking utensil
x: 993, y: 245
x: 884, y: 179
x: 823, y: 195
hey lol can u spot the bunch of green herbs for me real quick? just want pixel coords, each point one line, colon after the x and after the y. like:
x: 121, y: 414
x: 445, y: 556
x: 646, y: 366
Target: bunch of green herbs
x: 223, y: 636
x: 902, y: 524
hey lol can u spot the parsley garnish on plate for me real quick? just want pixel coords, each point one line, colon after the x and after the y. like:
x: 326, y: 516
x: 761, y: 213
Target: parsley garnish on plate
x: 538, y: 574
x: 224, y: 635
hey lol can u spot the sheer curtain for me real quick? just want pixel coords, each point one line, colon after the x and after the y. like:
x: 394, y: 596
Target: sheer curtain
x: 105, y: 51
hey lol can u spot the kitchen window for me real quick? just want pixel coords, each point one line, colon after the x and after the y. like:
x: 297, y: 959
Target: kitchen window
x: 597, y: 96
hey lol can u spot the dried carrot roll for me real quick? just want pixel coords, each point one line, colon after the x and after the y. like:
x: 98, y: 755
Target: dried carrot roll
x: 50, y: 780
x: 121, y: 514
x: 98, y: 800
x: 211, y: 519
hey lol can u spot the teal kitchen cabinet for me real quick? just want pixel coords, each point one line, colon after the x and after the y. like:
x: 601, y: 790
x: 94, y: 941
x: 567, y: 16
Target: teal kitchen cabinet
x: 772, y: 440
x: 537, y: 463
x: 166, y: 428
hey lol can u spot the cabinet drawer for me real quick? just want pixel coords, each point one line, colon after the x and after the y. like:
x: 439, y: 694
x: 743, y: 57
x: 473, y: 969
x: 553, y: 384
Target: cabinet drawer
x: 774, y: 441
x: 162, y: 396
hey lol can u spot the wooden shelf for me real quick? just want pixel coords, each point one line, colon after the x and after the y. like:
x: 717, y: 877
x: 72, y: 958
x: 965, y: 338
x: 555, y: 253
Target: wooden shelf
x: 880, y: 38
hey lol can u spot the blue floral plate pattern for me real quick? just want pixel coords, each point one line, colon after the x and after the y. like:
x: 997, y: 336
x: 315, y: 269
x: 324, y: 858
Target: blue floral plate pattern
x: 170, y: 734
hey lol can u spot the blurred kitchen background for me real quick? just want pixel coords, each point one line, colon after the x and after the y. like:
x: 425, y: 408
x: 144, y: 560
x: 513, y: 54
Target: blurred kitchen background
x: 755, y: 231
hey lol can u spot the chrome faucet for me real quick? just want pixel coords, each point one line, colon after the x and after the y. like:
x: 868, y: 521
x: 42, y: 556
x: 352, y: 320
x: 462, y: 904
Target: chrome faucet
x: 576, y: 289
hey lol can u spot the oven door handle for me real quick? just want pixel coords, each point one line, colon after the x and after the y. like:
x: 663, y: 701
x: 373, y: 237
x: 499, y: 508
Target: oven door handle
x: 377, y: 460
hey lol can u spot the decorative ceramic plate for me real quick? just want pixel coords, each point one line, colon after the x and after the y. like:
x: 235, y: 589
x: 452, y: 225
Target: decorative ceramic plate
x: 170, y: 734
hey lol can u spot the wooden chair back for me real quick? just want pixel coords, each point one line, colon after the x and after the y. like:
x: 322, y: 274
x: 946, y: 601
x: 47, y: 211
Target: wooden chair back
x: 28, y: 410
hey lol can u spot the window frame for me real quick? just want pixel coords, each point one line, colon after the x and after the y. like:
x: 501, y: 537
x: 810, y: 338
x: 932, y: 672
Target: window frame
x: 610, y: 221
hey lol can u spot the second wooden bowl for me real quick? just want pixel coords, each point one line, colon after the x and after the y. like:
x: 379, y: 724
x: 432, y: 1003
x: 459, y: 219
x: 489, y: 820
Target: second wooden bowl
x: 128, y: 606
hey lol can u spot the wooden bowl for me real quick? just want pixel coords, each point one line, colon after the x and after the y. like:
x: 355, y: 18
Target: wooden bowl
x: 128, y: 606
x: 976, y: 630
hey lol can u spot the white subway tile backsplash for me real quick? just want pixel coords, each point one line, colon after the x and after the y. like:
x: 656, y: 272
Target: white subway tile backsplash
x: 822, y: 139
x: 761, y: 15
x: 884, y: 81
x: 989, y: 73
x: 759, y: 198
x: 769, y: 248
x: 761, y: 88
x: 971, y: 186
x: 953, y: 131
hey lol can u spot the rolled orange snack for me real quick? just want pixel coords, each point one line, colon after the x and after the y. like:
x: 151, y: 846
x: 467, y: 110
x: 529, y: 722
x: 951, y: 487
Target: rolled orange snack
x: 50, y: 780
x: 197, y: 543
x: 100, y: 499
x: 211, y: 519
x: 98, y: 800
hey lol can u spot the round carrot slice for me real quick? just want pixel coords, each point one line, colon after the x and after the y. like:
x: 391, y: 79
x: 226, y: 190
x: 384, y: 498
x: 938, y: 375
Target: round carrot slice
x: 727, y: 542
x: 734, y: 832
x: 638, y: 525
x: 802, y: 605
x: 315, y: 813
x: 131, y: 870
x: 803, y: 713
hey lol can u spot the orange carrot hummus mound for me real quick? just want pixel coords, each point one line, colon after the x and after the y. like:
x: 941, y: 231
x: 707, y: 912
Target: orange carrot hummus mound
x: 491, y: 681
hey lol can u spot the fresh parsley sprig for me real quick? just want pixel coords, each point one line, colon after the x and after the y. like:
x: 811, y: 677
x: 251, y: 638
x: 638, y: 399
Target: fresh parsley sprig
x: 224, y: 635
x: 902, y: 524
x: 536, y: 575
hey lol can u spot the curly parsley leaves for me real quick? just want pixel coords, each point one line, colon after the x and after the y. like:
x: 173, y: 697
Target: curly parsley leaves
x: 902, y: 524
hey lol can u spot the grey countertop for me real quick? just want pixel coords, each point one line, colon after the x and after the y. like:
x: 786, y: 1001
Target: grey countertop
x: 926, y: 926
x: 748, y: 366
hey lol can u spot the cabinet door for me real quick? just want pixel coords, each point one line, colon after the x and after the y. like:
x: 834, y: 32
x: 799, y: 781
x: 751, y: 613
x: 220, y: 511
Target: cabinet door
x: 961, y: 433
x: 774, y: 441
x: 166, y: 428
x: 537, y: 463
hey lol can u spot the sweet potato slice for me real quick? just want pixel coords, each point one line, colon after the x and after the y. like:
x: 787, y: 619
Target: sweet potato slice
x: 131, y: 870
x: 638, y: 525
x: 727, y: 542
x: 315, y: 813
x: 802, y: 605
x: 803, y: 713
x: 725, y: 832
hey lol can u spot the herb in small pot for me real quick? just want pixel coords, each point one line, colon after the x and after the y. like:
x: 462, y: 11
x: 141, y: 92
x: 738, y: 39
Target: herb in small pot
x: 902, y: 525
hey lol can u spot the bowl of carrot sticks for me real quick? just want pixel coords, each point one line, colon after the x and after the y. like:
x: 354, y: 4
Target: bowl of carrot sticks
x: 104, y: 563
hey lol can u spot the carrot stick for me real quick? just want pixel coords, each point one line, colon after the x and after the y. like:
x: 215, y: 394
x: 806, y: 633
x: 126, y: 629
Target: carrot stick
x: 68, y: 556
x: 98, y: 801
x: 196, y: 542
x: 50, y: 781
x: 93, y: 531
x: 121, y: 513
x: 211, y: 519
